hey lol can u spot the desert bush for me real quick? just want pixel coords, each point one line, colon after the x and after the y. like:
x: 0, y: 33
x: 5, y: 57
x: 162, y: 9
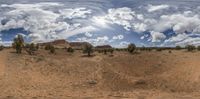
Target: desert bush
x: 47, y: 47
x: 1, y: 47
x: 111, y: 51
x: 30, y: 48
x: 18, y: 43
x: 88, y: 48
x: 37, y: 46
x: 52, y: 49
x: 178, y: 47
x: 105, y: 51
x: 198, y: 48
x: 131, y: 48
x: 158, y: 49
x: 70, y: 49
x: 190, y: 47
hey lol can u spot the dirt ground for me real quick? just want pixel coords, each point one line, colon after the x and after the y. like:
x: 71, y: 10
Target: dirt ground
x: 146, y: 75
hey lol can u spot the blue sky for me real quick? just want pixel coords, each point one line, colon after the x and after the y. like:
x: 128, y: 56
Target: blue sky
x: 114, y: 22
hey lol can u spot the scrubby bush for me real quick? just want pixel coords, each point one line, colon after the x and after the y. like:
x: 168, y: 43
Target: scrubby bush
x: 30, y: 48
x: 47, y: 47
x: 190, y: 47
x: 52, y: 49
x: 159, y: 49
x: 18, y: 43
x: 1, y: 47
x: 198, y: 48
x: 178, y: 47
x: 70, y: 49
x: 105, y: 51
x: 111, y: 51
x: 131, y: 48
x: 88, y: 48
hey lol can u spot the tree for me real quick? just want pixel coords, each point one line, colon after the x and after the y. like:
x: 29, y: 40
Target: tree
x: 198, y: 48
x: 88, y: 48
x: 178, y: 47
x: 131, y: 48
x: 190, y: 47
x: 1, y: 47
x: 52, y: 49
x: 18, y: 43
x: 70, y: 49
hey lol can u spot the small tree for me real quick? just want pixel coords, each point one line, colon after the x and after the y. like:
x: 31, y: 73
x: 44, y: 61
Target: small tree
x: 47, y: 47
x: 105, y: 51
x: 178, y: 47
x: 111, y: 51
x: 88, y: 48
x: 131, y: 48
x: 18, y: 43
x: 52, y: 49
x: 1, y: 47
x: 190, y: 47
x: 70, y: 49
x: 198, y: 48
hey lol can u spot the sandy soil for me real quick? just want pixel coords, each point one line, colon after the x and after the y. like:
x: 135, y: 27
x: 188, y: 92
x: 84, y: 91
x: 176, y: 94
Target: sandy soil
x: 147, y: 75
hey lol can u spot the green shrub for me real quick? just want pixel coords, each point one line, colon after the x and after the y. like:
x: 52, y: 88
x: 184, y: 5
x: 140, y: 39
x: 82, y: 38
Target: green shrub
x: 190, y: 47
x: 18, y: 43
x: 178, y: 47
x: 70, y: 49
x: 131, y: 48
x: 198, y: 48
x: 52, y: 49
x: 1, y: 47
x: 88, y: 48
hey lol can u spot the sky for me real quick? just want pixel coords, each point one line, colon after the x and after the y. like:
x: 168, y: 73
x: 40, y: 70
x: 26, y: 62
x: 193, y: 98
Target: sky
x: 115, y: 22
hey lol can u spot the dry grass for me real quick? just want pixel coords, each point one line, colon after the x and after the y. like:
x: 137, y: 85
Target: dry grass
x: 146, y: 75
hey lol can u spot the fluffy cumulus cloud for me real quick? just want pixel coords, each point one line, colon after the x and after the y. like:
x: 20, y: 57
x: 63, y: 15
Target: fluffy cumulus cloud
x: 43, y: 23
x: 150, y: 22
x: 157, y: 36
x: 118, y: 37
x: 101, y: 40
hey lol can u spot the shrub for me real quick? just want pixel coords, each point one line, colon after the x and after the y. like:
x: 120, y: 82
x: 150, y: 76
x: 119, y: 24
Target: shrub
x: 198, y: 48
x: 47, y: 47
x: 1, y: 47
x: 111, y: 51
x: 158, y: 49
x: 105, y: 51
x: 88, y: 48
x: 18, y: 43
x: 131, y: 48
x: 52, y: 49
x: 178, y: 47
x: 190, y: 47
x: 70, y: 49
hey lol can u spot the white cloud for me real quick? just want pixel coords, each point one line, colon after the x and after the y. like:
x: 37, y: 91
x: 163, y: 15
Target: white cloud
x: 95, y: 41
x: 179, y: 23
x: 75, y: 13
x: 88, y: 34
x: 43, y: 23
x: 118, y: 37
x: 153, y: 8
x: 157, y: 36
x: 124, y: 44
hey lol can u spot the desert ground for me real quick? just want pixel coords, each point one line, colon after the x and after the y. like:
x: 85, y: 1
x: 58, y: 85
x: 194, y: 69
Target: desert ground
x: 145, y: 75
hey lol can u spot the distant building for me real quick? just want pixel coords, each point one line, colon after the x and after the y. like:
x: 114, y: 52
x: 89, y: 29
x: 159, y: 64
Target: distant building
x: 78, y: 45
